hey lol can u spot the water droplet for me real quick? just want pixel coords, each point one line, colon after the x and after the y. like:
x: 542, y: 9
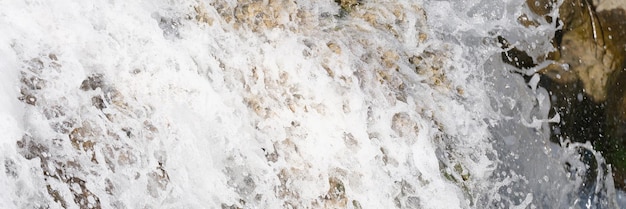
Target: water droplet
x: 610, y: 37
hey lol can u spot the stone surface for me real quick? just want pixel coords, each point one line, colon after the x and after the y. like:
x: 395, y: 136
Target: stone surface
x: 587, y: 78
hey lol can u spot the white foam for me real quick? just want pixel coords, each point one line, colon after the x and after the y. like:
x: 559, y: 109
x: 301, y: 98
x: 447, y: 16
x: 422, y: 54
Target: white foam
x: 214, y: 115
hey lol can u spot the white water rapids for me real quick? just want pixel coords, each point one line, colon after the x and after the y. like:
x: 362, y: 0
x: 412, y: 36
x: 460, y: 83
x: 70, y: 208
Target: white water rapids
x: 278, y: 104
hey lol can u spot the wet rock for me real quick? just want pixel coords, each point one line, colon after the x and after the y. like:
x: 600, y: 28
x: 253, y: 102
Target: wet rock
x: 202, y: 15
x: 158, y: 181
x: 514, y: 56
x: 588, y: 50
x: 336, y: 196
x: 390, y: 58
x: 257, y: 15
x: 30, y: 147
x: 406, y: 198
x: 587, y: 79
x: 593, y: 51
x: 403, y: 125
x: 10, y: 168
x: 82, y: 137
x: 83, y: 197
x: 541, y: 7
x: 28, y: 99
x: 75, y: 146
x: 334, y: 47
x: 347, y: 5
x: 92, y: 82
x: 170, y: 25
x: 31, y: 78
x: 98, y: 102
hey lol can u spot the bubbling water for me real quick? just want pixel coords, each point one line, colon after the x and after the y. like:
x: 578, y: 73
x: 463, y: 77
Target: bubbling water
x: 280, y: 104
x: 532, y: 171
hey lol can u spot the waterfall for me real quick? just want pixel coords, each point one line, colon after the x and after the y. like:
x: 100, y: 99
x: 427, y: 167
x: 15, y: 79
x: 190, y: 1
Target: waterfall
x: 280, y: 104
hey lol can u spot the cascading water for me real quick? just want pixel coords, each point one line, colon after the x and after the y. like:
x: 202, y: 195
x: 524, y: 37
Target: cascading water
x: 531, y: 170
x: 280, y: 104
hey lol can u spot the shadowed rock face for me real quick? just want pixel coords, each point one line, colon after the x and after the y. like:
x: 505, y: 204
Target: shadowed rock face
x: 613, y: 144
x: 589, y: 48
x: 587, y: 79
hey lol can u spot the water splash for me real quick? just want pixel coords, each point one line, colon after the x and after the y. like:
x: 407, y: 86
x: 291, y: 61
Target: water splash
x: 277, y: 104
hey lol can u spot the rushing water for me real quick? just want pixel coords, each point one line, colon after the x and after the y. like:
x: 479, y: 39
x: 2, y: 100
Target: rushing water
x: 280, y: 104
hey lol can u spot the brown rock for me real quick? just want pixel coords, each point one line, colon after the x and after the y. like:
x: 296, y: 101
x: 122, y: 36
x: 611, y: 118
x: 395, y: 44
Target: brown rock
x: 588, y: 78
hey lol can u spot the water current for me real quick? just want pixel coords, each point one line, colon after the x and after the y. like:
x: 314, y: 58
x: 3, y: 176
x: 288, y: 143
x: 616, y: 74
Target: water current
x: 281, y: 104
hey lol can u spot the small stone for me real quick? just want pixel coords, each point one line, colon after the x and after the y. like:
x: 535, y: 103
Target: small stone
x: 334, y: 47
x: 92, y: 82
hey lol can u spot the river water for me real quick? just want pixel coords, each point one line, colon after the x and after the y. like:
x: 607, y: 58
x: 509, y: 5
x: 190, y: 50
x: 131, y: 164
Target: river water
x: 281, y: 104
